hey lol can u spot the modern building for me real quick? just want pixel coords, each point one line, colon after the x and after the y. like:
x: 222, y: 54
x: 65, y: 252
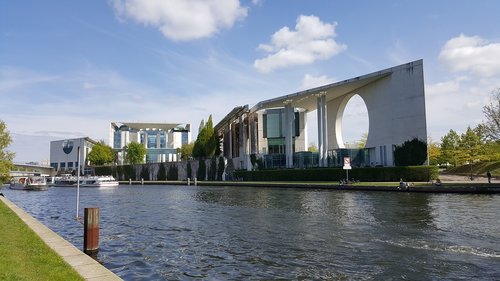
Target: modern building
x: 275, y: 130
x: 64, y: 154
x: 160, y: 139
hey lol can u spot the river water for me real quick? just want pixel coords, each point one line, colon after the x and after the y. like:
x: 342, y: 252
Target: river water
x: 242, y: 233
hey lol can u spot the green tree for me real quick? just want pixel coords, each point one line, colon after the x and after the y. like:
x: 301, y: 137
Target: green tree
x: 5, y: 155
x: 186, y: 151
x: 207, y: 143
x: 410, y: 153
x: 434, y: 152
x: 491, y: 151
x: 312, y: 147
x: 469, y: 147
x: 362, y: 142
x: 449, y: 148
x: 135, y: 153
x: 101, y: 154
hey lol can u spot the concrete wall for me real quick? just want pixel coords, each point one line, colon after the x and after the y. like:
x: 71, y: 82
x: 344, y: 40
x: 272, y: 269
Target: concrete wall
x: 396, y: 112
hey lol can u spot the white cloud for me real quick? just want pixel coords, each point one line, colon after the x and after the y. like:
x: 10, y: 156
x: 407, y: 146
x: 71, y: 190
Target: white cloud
x: 88, y: 86
x: 471, y: 54
x: 310, y: 41
x: 446, y: 87
x: 311, y: 81
x: 183, y: 20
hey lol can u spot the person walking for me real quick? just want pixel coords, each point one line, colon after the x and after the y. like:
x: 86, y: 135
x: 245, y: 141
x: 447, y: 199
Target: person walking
x: 488, y: 175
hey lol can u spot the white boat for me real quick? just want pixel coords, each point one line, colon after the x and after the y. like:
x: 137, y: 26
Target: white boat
x: 86, y: 181
x: 29, y: 183
x: 98, y: 181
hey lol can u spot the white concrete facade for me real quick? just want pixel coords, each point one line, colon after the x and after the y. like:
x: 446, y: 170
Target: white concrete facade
x: 64, y: 154
x: 394, y: 98
x: 161, y: 140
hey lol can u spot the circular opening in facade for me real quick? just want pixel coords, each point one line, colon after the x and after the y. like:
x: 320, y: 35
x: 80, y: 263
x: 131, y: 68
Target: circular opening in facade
x: 355, y: 123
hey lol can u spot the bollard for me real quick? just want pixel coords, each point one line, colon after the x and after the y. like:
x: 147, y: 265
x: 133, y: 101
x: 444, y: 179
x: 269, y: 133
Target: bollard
x: 195, y: 181
x: 142, y: 181
x: 189, y: 181
x: 91, y: 231
x: 129, y: 181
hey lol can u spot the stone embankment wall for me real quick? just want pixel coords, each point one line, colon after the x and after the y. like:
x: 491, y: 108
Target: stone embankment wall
x: 214, y: 169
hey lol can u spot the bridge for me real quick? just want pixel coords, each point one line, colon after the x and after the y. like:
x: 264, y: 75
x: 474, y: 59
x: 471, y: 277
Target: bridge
x: 28, y: 169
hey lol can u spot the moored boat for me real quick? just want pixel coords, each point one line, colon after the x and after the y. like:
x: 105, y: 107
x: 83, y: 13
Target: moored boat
x: 86, y: 181
x: 36, y: 183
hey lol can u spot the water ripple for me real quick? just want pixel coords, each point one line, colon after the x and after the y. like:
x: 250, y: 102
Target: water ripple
x: 224, y: 233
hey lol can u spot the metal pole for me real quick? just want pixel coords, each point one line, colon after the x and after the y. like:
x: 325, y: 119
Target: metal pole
x: 78, y: 183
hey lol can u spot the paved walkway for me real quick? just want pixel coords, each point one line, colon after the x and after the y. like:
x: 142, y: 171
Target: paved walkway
x: 87, y: 267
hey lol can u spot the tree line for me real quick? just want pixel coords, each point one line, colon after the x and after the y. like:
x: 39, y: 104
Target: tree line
x: 480, y: 143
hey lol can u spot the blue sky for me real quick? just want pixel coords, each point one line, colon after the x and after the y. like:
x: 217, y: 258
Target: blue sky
x: 68, y: 68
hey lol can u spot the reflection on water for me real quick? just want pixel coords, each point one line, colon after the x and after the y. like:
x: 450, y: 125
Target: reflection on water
x: 180, y: 232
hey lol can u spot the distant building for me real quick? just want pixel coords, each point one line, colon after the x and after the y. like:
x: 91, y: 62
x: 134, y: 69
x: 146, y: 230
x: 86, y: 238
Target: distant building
x: 160, y: 139
x: 64, y: 154
x: 31, y: 169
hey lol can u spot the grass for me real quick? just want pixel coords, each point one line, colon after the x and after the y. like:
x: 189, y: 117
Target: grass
x: 479, y: 168
x: 24, y: 256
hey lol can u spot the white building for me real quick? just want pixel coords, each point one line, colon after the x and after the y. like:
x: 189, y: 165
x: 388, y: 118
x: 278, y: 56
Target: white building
x: 160, y: 139
x: 64, y: 154
x: 275, y: 129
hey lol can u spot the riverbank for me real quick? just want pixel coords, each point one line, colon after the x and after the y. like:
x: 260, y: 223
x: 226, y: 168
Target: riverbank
x: 31, y: 251
x: 447, y: 187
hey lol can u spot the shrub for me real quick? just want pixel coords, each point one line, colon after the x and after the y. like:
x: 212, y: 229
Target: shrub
x: 173, y: 173
x: 202, y: 170
x: 162, y: 173
x: 145, y: 173
x: 220, y: 168
x: 412, y: 173
x: 189, y: 171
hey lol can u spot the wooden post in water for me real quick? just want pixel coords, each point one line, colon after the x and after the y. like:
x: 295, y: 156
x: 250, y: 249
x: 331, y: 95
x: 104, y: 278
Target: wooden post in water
x: 91, y: 231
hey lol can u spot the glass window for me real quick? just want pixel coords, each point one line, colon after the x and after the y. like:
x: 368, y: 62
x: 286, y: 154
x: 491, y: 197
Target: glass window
x: 142, y: 137
x: 273, y: 125
x: 163, y: 140
x: 70, y: 164
x: 117, y: 140
x: 62, y: 165
x: 151, y: 141
x: 185, y: 138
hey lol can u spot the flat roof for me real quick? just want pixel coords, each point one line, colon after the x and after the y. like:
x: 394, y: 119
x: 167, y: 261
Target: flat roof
x: 307, y: 99
x: 158, y: 126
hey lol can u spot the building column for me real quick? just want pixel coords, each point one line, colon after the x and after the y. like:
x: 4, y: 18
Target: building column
x: 324, y: 129
x: 244, y: 143
x: 319, y: 110
x: 253, y: 134
x: 289, y: 134
x: 230, y: 133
